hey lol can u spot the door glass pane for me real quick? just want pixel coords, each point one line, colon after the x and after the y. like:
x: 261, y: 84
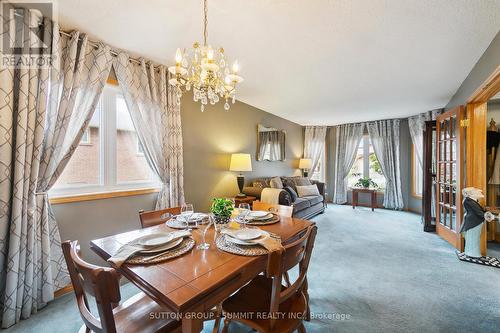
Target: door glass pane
x: 453, y: 122
x: 453, y: 219
x: 131, y: 164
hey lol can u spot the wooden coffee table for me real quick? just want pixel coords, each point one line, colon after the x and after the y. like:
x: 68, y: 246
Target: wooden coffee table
x: 355, y: 196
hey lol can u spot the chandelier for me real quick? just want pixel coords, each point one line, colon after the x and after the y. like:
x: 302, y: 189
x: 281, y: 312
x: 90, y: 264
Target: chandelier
x: 206, y: 71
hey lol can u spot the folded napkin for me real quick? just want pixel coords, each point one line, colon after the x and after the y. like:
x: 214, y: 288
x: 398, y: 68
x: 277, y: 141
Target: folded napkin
x: 129, y: 249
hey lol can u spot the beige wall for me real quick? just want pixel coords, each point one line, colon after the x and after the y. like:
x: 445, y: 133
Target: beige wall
x: 211, y: 136
x: 209, y: 139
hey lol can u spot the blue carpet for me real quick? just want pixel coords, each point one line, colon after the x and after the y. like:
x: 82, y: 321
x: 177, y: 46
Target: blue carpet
x: 370, y: 272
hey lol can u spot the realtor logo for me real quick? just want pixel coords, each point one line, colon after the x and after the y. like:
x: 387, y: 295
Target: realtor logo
x: 24, y: 43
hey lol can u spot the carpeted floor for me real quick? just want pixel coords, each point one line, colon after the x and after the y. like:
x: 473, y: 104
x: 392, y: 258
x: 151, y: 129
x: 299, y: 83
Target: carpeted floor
x: 370, y: 272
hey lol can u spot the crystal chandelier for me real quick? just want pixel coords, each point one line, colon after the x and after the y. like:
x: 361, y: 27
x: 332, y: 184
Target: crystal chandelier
x: 205, y: 70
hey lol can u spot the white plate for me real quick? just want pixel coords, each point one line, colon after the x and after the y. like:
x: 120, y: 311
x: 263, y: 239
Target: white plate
x: 242, y: 242
x: 258, y: 214
x: 156, y: 239
x: 247, y: 233
x: 168, y: 246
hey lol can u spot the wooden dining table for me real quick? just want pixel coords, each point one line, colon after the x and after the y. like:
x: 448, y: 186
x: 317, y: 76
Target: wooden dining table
x: 192, y: 284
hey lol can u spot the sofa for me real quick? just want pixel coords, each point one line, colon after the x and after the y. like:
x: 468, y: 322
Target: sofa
x: 303, y: 207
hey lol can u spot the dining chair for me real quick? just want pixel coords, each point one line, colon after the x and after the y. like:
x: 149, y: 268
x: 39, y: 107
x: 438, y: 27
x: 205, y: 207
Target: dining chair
x: 155, y: 217
x: 133, y: 315
x: 281, y: 210
x: 284, y: 308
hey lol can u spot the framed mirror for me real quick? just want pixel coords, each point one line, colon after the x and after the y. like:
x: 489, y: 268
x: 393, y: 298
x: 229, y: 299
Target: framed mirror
x: 270, y: 144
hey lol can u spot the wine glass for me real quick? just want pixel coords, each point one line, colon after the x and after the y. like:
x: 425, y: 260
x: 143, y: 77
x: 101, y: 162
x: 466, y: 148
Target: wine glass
x: 244, y: 210
x: 204, y: 228
x: 187, y: 211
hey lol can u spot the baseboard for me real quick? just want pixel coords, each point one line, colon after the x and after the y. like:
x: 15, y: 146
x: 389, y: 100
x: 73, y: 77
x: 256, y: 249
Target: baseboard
x: 63, y: 291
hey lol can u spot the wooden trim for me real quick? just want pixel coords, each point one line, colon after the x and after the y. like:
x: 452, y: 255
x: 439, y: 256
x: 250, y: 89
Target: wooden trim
x: 412, y: 174
x: 63, y: 291
x: 101, y: 195
x: 488, y: 89
x: 113, y: 82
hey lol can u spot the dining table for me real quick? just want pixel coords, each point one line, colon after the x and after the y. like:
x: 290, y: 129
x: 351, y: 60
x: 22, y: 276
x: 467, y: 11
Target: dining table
x: 192, y: 284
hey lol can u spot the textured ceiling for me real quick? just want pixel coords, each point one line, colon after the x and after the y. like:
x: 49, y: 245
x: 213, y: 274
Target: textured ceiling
x: 313, y: 62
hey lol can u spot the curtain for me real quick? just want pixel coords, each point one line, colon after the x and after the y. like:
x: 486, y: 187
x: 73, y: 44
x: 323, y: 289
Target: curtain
x: 155, y: 112
x: 416, y: 125
x: 314, y: 144
x: 384, y: 135
x: 348, y: 137
x: 271, y: 145
x: 44, y: 110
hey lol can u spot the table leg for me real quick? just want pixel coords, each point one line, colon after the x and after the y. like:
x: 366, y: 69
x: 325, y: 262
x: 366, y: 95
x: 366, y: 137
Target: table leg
x: 374, y: 200
x: 192, y: 325
x: 354, y: 199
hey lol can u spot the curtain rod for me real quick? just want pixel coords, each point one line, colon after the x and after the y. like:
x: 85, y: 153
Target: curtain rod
x: 112, y: 51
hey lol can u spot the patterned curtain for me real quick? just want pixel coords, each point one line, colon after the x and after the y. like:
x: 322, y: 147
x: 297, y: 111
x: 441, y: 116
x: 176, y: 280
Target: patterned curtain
x: 155, y: 112
x: 384, y: 135
x: 348, y: 137
x: 314, y: 144
x: 43, y: 114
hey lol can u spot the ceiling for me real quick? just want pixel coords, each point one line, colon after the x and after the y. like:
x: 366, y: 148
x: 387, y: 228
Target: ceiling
x: 321, y: 62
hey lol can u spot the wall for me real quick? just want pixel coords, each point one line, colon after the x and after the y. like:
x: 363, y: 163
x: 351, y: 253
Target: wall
x: 405, y: 163
x: 209, y: 139
x: 488, y: 62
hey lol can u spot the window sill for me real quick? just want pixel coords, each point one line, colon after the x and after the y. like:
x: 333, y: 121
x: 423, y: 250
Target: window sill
x: 100, y: 195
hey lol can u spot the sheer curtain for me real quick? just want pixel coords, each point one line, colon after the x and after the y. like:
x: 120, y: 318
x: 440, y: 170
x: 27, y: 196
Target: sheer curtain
x: 271, y: 146
x: 348, y: 137
x: 156, y: 116
x: 314, y: 144
x: 384, y: 135
x: 45, y: 111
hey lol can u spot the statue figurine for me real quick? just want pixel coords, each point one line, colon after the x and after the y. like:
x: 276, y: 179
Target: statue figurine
x: 474, y: 218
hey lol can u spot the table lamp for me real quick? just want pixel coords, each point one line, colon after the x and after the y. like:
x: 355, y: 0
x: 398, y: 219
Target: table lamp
x: 240, y: 163
x: 305, y: 164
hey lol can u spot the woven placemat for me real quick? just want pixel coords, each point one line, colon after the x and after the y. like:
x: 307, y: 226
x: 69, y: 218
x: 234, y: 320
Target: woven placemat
x: 184, y: 247
x: 273, y: 220
x: 242, y: 250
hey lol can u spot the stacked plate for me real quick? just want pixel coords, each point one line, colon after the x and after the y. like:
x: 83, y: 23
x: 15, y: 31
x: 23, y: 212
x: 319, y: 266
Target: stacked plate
x: 160, y: 242
x: 260, y: 217
x: 247, y: 236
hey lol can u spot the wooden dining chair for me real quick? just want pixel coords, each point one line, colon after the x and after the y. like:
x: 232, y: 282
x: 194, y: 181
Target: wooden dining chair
x: 281, y: 210
x: 102, y: 283
x: 155, y: 217
x: 266, y: 295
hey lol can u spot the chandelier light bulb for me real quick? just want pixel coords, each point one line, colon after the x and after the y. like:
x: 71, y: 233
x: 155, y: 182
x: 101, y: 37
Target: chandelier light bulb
x: 178, y: 57
x: 210, y: 55
x: 236, y: 67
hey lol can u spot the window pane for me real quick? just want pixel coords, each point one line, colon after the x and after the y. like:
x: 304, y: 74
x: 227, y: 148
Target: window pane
x: 83, y: 167
x: 374, y: 169
x: 131, y: 165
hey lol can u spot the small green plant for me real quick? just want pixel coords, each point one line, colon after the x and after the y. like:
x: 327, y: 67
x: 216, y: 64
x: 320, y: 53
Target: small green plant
x: 222, y: 207
x: 366, y: 183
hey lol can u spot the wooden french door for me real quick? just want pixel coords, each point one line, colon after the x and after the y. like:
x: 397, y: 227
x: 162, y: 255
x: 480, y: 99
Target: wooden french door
x: 450, y: 161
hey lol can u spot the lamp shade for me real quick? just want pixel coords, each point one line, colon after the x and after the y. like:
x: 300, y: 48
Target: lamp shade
x: 305, y: 163
x: 240, y: 162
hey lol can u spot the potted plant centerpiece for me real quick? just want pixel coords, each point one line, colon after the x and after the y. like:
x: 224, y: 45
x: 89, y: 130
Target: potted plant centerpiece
x: 222, y: 209
x: 366, y: 182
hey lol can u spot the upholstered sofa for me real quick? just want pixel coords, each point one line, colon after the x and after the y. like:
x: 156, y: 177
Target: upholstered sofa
x: 303, y: 207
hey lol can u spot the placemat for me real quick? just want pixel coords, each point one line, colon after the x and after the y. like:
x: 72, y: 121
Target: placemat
x: 184, y: 247
x: 273, y: 220
x: 243, y: 250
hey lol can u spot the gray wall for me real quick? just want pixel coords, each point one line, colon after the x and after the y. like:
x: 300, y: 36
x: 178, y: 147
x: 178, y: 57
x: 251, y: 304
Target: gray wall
x: 405, y: 157
x: 488, y: 62
x: 209, y: 139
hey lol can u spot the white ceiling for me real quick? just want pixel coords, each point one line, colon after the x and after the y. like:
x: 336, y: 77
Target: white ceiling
x: 313, y: 62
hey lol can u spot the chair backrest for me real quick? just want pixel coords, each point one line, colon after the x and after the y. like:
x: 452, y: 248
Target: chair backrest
x: 100, y: 282
x: 155, y: 217
x: 281, y: 210
x: 296, y: 253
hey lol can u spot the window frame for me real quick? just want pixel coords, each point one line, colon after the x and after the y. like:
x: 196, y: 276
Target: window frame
x: 413, y: 175
x: 107, y: 183
x: 366, y: 159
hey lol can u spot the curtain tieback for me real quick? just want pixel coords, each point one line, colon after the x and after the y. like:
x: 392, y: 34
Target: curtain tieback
x: 41, y: 193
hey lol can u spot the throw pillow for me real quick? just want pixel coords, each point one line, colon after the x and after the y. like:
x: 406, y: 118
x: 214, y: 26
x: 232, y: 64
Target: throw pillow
x: 292, y: 193
x: 302, y: 181
x: 307, y: 190
x: 276, y: 182
x: 259, y: 184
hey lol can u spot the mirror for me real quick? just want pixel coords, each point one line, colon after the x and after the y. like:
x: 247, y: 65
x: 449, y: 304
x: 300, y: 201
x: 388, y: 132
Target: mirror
x: 270, y: 144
